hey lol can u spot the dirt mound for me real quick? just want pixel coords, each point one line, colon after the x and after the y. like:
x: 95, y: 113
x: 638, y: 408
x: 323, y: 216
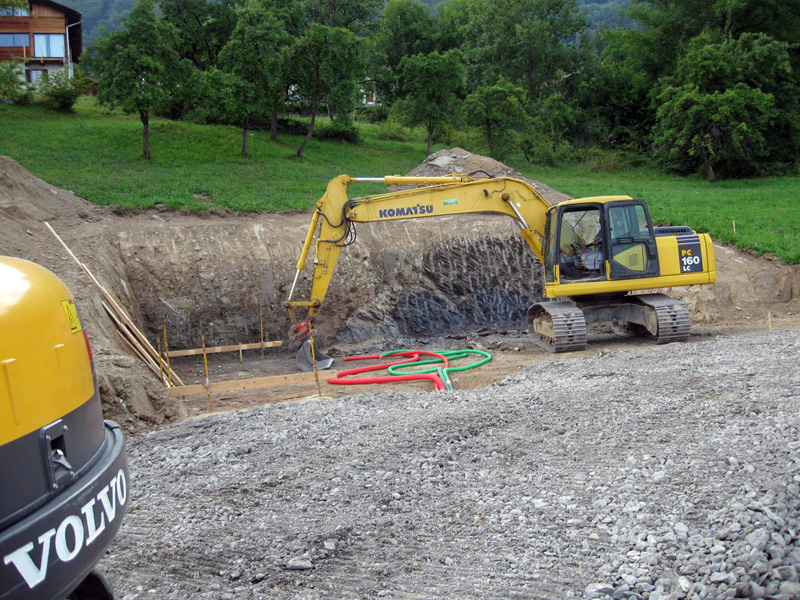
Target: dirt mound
x: 212, y: 275
x: 458, y: 160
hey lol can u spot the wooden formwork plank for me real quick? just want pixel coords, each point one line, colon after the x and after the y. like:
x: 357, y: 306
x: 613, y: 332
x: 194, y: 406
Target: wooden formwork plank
x: 251, y: 384
x: 129, y: 326
x: 215, y: 349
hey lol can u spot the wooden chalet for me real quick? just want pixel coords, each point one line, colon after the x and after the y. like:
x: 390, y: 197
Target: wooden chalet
x: 47, y: 36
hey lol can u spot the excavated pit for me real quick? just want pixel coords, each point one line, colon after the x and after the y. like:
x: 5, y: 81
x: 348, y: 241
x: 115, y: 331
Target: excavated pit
x: 400, y: 280
x: 403, y: 281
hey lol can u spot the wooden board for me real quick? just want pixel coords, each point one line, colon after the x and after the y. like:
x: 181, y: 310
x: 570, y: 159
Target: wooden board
x: 235, y: 348
x: 129, y: 328
x: 251, y: 384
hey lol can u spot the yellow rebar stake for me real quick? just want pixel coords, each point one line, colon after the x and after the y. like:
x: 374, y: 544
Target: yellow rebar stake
x: 314, y: 358
x: 160, y: 361
x: 208, y: 382
x: 166, y: 349
x: 261, y: 317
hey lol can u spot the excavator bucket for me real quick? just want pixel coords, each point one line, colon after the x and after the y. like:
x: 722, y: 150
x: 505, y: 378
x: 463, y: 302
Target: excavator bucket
x: 305, y: 358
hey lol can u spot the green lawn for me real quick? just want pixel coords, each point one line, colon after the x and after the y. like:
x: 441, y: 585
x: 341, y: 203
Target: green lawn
x: 98, y: 156
x: 194, y: 167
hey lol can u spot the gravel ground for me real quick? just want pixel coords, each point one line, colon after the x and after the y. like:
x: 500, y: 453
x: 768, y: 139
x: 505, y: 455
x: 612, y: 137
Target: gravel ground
x: 661, y: 472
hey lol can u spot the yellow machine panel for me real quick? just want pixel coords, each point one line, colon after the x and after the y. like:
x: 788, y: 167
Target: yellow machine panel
x: 45, y: 367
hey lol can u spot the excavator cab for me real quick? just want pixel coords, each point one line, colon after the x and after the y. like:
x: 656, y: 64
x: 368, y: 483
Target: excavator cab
x: 599, y: 241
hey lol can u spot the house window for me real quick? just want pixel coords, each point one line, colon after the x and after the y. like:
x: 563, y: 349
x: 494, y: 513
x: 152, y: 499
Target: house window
x: 49, y: 45
x: 14, y: 40
x: 35, y: 75
x: 14, y: 12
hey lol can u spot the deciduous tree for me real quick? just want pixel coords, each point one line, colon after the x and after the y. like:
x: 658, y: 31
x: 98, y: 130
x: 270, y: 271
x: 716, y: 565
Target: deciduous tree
x: 327, y: 62
x: 258, y: 52
x: 431, y: 83
x: 500, y: 111
x: 203, y: 27
x: 406, y: 28
x: 532, y: 43
x: 137, y: 67
x: 720, y: 107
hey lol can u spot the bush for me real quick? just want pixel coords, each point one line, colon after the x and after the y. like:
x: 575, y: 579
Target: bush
x: 391, y: 130
x: 12, y: 84
x: 289, y: 126
x: 59, y: 91
x: 372, y: 114
x: 337, y: 132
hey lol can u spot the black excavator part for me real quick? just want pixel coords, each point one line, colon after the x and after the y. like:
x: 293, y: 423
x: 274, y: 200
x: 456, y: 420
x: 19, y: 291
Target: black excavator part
x: 561, y: 324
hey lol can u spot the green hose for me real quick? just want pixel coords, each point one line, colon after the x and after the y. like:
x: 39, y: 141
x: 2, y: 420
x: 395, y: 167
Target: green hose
x: 443, y: 373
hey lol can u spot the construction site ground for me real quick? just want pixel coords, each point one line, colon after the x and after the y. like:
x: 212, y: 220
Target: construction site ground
x: 628, y: 470
x: 512, y: 351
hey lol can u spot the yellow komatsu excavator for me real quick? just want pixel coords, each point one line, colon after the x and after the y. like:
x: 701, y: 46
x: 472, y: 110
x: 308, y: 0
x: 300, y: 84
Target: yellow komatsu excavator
x: 595, y: 251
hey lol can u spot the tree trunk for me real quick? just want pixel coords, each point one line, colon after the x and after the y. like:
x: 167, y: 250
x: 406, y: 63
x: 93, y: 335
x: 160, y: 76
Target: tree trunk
x: 430, y: 139
x: 712, y: 177
x: 273, y: 126
x: 144, y: 115
x: 314, y: 105
x: 245, y: 134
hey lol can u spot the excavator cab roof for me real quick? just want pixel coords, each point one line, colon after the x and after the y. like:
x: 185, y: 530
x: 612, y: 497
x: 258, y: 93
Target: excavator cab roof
x: 594, y: 199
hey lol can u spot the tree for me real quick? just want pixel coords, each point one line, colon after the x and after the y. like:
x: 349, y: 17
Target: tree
x: 137, y: 67
x: 354, y: 15
x: 223, y: 97
x: 258, y: 52
x: 500, y: 111
x: 431, y: 83
x: 406, y: 28
x: 327, y: 62
x: 203, y: 26
x: 615, y: 93
x: 665, y: 28
x: 722, y: 128
x: 723, y: 103
x: 24, y: 4
x: 12, y: 82
x: 532, y: 43
x: 453, y: 23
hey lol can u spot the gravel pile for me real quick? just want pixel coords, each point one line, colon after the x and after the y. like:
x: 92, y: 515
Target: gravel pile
x: 661, y: 472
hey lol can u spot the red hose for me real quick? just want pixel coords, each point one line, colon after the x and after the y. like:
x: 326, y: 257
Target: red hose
x: 438, y: 384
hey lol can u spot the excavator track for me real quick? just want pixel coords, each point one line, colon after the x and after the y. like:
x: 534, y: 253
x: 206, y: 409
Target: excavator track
x: 672, y: 316
x: 560, y: 325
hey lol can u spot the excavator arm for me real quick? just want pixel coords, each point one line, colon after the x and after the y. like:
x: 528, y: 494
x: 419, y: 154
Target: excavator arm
x: 336, y: 215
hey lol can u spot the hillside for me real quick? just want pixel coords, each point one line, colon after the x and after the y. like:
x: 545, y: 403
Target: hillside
x: 100, y: 15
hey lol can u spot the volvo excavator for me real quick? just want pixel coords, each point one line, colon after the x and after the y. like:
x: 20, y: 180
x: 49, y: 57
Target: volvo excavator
x: 595, y: 252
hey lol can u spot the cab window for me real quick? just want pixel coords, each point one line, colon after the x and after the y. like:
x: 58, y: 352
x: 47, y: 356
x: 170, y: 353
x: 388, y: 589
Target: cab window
x: 581, y: 243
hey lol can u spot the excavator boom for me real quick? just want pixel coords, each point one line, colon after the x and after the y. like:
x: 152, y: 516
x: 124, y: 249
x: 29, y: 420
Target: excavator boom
x: 448, y: 195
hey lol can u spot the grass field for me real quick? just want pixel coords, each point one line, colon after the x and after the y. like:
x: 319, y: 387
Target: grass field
x: 194, y: 167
